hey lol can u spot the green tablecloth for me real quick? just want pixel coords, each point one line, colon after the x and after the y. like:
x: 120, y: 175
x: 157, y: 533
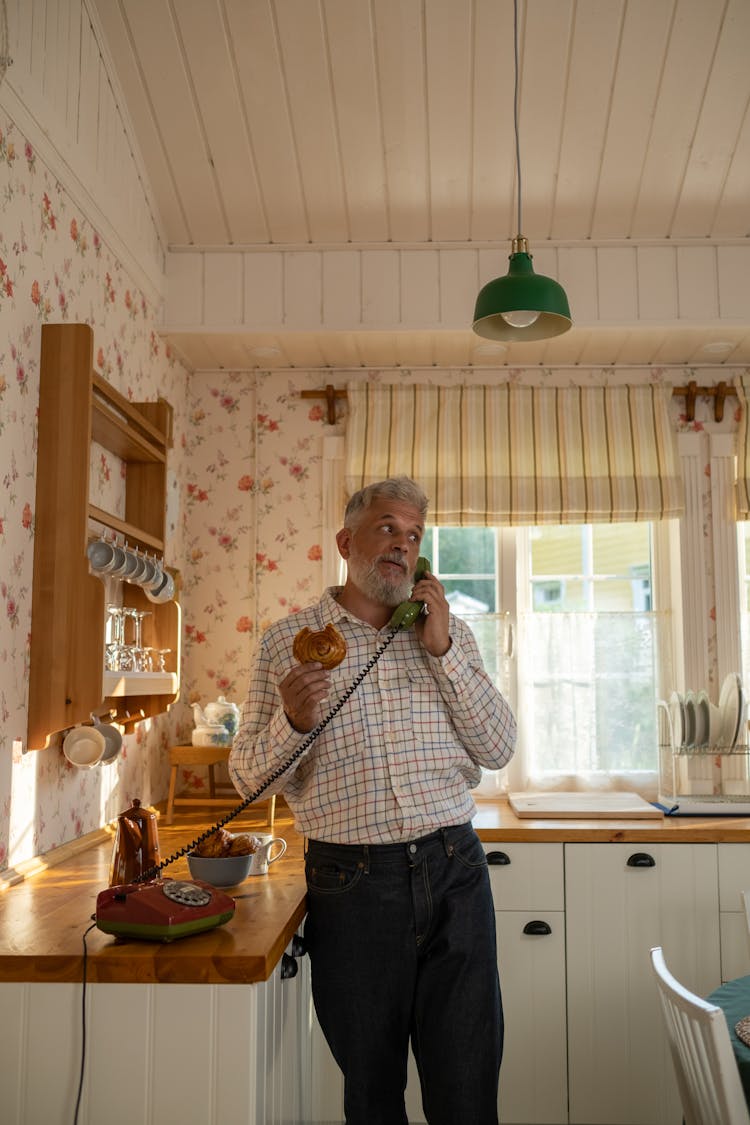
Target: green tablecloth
x: 734, y: 1000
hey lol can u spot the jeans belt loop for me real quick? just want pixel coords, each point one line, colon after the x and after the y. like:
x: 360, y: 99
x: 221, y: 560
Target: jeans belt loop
x: 447, y: 847
x: 366, y: 858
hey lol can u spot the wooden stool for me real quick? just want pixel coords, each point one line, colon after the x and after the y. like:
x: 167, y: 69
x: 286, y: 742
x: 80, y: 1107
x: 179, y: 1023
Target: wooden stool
x: 205, y: 756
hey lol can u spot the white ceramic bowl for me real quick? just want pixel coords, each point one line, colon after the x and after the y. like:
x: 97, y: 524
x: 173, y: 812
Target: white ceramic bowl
x: 84, y: 747
x: 112, y: 740
x: 221, y: 871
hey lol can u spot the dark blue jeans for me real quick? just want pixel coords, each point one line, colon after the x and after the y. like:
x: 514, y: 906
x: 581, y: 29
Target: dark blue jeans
x: 402, y: 943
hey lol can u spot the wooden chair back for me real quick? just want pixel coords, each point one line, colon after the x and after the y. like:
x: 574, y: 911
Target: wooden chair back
x: 708, y: 1080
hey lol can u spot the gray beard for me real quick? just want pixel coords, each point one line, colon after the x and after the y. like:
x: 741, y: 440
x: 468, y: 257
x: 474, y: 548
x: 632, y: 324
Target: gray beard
x: 366, y: 576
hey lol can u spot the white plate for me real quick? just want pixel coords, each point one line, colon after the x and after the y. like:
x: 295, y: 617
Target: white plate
x: 741, y: 705
x: 702, y: 719
x: 690, y: 718
x: 731, y: 705
x: 714, y: 725
x: 677, y: 715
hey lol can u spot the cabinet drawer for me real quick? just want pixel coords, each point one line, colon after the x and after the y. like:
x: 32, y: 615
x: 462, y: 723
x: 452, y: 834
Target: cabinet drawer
x: 528, y: 876
x: 734, y: 875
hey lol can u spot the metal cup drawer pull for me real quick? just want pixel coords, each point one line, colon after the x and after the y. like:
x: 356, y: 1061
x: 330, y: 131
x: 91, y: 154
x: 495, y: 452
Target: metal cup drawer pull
x: 641, y: 859
x: 498, y: 859
x: 537, y: 928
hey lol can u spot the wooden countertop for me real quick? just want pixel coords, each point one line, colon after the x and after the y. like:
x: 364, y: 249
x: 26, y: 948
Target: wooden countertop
x: 42, y: 918
x: 496, y: 821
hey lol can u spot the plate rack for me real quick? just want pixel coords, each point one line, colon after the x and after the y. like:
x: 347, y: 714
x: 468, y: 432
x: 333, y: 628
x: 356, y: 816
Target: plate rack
x: 703, y: 780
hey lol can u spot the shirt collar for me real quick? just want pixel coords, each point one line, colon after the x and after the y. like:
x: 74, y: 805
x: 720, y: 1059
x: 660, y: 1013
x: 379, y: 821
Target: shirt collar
x: 331, y: 608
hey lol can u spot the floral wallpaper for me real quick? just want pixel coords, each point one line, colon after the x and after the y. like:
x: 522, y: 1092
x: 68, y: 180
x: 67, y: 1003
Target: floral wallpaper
x: 54, y: 266
x: 252, y: 524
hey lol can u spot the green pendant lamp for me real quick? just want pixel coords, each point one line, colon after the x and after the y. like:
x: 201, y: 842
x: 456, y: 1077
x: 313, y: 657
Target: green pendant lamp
x: 523, y: 305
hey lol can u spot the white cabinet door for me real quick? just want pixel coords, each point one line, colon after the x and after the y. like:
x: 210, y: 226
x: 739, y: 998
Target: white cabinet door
x: 734, y: 878
x: 621, y: 900
x: 533, y: 1076
x: 528, y: 891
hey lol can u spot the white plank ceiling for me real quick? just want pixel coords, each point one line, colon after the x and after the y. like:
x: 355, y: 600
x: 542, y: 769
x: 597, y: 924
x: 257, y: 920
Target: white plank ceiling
x: 387, y: 123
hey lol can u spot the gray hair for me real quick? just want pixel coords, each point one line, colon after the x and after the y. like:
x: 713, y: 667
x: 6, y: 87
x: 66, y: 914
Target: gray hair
x: 403, y: 489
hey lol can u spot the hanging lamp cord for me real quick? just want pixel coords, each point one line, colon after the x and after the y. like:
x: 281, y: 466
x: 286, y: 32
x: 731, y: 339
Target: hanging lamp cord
x: 515, y: 112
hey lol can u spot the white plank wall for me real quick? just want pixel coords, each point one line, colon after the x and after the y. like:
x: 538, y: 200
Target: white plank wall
x: 411, y: 288
x: 198, y: 1054
x: 62, y: 94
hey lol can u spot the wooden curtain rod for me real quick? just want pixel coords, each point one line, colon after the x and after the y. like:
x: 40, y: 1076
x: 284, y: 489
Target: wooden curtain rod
x: 330, y: 394
x: 718, y: 393
x: 691, y: 392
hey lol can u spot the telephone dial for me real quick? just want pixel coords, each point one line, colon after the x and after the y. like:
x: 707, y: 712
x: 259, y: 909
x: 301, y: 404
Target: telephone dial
x: 155, y: 909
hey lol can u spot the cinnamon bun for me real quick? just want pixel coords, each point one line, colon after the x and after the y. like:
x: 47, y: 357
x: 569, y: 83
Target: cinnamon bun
x: 326, y: 646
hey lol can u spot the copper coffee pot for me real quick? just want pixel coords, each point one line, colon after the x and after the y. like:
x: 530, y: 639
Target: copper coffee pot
x: 136, y: 847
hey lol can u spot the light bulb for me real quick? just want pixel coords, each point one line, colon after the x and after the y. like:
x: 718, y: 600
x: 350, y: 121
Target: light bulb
x: 520, y: 318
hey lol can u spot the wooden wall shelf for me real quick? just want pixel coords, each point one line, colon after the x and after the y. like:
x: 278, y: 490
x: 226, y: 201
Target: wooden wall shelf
x: 66, y: 674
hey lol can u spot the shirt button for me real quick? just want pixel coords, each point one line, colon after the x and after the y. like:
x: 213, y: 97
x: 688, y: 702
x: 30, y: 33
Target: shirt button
x: 412, y: 848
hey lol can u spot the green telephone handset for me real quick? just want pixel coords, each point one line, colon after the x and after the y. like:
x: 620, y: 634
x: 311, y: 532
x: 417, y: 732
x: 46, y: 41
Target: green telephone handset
x: 405, y: 614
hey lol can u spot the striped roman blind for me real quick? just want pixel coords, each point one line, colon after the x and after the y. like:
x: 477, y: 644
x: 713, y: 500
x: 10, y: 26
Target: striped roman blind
x: 742, y: 484
x: 511, y: 455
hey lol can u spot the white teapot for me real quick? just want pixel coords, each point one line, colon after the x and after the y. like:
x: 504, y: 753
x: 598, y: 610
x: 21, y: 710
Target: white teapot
x: 222, y: 711
x: 208, y: 734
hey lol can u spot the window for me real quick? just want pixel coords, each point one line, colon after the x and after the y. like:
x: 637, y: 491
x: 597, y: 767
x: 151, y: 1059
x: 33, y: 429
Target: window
x: 592, y: 652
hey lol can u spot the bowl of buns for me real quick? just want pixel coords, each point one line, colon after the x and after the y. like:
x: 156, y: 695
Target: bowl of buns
x: 223, y: 859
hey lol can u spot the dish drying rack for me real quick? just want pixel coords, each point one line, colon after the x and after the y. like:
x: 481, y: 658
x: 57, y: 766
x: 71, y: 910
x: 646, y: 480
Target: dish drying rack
x: 703, y: 780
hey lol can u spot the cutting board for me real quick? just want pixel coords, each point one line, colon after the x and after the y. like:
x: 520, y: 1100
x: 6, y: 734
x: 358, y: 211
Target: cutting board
x: 583, y: 806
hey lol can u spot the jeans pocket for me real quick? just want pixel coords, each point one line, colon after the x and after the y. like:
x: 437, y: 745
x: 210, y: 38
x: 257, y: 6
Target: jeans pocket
x: 468, y: 850
x: 332, y: 877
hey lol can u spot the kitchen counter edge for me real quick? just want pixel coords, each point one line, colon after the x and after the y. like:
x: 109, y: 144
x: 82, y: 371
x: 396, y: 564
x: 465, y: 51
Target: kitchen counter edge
x: 42, y: 918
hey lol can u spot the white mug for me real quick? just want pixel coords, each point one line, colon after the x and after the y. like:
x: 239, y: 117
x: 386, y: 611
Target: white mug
x: 262, y: 855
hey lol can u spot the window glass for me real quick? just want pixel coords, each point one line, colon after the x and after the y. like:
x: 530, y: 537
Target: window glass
x: 465, y: 560
x: 589, y: 640
x: 591, y: 649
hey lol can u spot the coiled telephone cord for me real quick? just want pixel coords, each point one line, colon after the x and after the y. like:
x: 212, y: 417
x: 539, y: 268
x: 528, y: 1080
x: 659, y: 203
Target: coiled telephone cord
x: 152, y: 872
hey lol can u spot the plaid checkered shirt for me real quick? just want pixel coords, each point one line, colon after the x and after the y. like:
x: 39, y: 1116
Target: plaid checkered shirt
x: 399, y: 758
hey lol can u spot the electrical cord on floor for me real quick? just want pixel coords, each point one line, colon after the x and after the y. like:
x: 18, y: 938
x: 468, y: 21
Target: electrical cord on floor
x: 83, y: 1023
